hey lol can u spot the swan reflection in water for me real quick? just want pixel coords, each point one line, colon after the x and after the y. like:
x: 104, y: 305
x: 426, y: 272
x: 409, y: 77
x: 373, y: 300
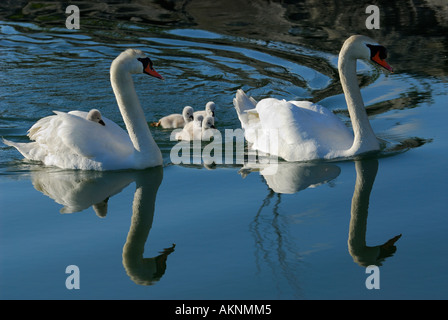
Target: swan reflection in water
x: 290, y: 177
x: 362, y: 254
x: 79, y: 190
x: 274, y: 247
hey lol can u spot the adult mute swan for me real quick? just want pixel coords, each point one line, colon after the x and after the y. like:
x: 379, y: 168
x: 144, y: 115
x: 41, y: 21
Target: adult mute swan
x: 301, y: 130
x: 71, y: 141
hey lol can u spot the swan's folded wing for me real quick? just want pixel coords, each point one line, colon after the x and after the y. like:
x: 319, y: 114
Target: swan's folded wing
x: 301, y: 130
x: 281, y: 118
x: 325, y: 126
x: 45, y: 133
x: 68, y: 134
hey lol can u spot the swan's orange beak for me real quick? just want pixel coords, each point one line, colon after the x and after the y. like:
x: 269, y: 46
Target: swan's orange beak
x: 376, y: 58
x: 149, y: 70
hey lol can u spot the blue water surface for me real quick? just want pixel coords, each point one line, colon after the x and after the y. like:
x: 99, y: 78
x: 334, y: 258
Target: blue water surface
x: 192, y: 231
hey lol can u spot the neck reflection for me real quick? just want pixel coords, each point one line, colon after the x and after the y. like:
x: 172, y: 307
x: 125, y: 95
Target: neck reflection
x: 361, y: 253
x: 78, y: 190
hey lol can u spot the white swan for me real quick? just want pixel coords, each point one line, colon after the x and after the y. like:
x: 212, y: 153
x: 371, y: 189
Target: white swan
x: 210, y: 109
x: 70, y: 141
x: 175, y: 120
x: 301, y: 130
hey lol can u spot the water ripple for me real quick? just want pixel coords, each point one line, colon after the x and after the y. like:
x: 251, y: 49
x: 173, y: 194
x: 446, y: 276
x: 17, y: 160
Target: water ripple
x: 46, y: 69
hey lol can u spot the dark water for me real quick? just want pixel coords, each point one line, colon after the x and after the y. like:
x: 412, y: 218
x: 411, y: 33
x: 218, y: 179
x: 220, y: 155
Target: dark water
x: 220, y: 232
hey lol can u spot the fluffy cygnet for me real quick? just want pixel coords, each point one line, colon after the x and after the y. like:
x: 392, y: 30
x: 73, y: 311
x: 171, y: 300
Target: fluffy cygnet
x: 175, y: 120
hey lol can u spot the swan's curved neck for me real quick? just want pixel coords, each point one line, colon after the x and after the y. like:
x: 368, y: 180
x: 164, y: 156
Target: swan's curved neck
x: 147, y: 152
x: 364, y: 137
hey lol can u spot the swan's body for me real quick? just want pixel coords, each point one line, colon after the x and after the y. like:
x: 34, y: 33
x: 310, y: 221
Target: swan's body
x: 174, y: 121
x: 210, y: 109
x: 301, y: 130
x: 71, y: 141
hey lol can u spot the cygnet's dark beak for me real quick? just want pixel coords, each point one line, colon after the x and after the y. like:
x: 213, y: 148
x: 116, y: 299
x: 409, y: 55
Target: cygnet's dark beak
x: 101, y: 122
x: 213, y: 127
x: 191, y: 118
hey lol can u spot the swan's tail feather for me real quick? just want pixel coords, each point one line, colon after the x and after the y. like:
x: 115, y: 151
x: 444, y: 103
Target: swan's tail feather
x: 243, y: 104
x: 8, y: 143
x: 16, y: 145
x: 27, y: 149
x: 155, y: 124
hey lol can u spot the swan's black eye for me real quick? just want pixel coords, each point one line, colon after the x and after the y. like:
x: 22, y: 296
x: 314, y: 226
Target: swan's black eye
x: 377, y: 49
x: 146, y: 63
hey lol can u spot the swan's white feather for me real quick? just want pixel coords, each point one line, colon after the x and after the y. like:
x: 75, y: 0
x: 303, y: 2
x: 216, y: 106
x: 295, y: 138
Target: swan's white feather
x: 301, y: 130
x: 293, y: 130
x: 69, y: 140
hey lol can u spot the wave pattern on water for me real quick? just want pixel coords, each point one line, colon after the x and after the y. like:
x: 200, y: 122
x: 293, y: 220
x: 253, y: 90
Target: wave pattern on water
x: 46, y: 69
